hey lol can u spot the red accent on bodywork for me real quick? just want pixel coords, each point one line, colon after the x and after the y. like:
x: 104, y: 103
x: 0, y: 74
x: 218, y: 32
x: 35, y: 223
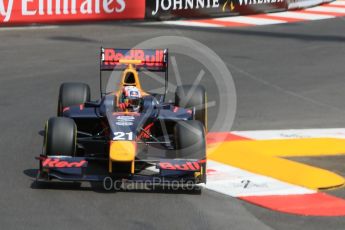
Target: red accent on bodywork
x: 57, y: 163
x: 176, y: 109
x: 148, y: 130
x: 81, y: 107
x: 66, y: 109
x: 122, y: 106
x: 148, y: 127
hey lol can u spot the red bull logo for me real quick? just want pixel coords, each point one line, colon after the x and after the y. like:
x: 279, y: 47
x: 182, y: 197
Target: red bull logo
x: 188, y: 166
x: 58, y: 163
x: 111, y: 57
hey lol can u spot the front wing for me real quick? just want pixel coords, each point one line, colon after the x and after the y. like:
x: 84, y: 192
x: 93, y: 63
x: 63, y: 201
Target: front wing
x: 63, y: 168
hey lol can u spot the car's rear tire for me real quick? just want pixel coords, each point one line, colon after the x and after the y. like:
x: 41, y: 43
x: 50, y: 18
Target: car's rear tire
x: 72, y: 93
x: 191, y: 96
x: 60, y: 137
x: 190, y: 140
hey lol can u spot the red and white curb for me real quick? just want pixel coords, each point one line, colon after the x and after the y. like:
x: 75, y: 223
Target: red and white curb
x: 338, y: 133
x: 236, y: 182
x: 325, y: 11
x: 269, y: 192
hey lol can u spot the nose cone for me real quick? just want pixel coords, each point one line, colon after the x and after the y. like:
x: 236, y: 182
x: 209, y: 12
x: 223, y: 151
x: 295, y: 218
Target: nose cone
x: 122, y: 151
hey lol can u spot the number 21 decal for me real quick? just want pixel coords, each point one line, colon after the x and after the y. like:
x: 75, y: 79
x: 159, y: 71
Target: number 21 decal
x: 122, y: 136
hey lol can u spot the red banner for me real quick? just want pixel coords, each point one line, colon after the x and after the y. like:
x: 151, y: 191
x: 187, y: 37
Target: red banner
x: 48, y: 11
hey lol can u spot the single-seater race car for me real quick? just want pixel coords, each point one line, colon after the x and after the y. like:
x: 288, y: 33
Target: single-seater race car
x: 113, y: 136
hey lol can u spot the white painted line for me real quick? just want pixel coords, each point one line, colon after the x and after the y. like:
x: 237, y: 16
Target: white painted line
x: 303, y: 4
x: 236, y: 182
x: 28, y: 28
x: 338, y: 3
x: 298, y: 15
x: 251, y: 20
x: 327, y: 9
x: 292, y: 134
x: 189, y: 23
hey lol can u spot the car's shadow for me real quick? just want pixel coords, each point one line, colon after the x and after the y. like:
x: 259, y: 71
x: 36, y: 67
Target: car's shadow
x: 99, y: 187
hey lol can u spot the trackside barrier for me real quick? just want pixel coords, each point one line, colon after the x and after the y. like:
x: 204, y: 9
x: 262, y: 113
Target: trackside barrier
x: 14, y: 12
x: 171, y: 9
x: 168, y: 9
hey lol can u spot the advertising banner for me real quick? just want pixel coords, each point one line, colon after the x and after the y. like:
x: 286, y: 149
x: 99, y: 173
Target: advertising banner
x: 47, y: 11
x: 165, y: 9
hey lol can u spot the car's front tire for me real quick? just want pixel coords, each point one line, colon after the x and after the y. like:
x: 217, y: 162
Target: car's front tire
x: 190, y: 140
x: 60, y: 137
x: 72, y: 93
x: 193, y: 96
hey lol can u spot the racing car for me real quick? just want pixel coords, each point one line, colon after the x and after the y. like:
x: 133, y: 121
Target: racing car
x: 113, y: 136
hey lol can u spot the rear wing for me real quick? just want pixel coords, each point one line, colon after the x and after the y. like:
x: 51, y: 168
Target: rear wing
x: 151, y: 59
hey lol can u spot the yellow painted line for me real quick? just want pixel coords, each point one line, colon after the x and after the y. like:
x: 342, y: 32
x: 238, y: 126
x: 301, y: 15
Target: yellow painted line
x: 290, y: 147
x: 279, y: 168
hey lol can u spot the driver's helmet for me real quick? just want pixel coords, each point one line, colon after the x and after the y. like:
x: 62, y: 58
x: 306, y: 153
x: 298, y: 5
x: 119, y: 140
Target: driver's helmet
x: 132, y: 98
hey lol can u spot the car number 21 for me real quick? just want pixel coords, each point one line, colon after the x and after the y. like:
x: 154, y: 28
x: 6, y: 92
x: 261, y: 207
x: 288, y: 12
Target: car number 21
x: 121, y: 136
